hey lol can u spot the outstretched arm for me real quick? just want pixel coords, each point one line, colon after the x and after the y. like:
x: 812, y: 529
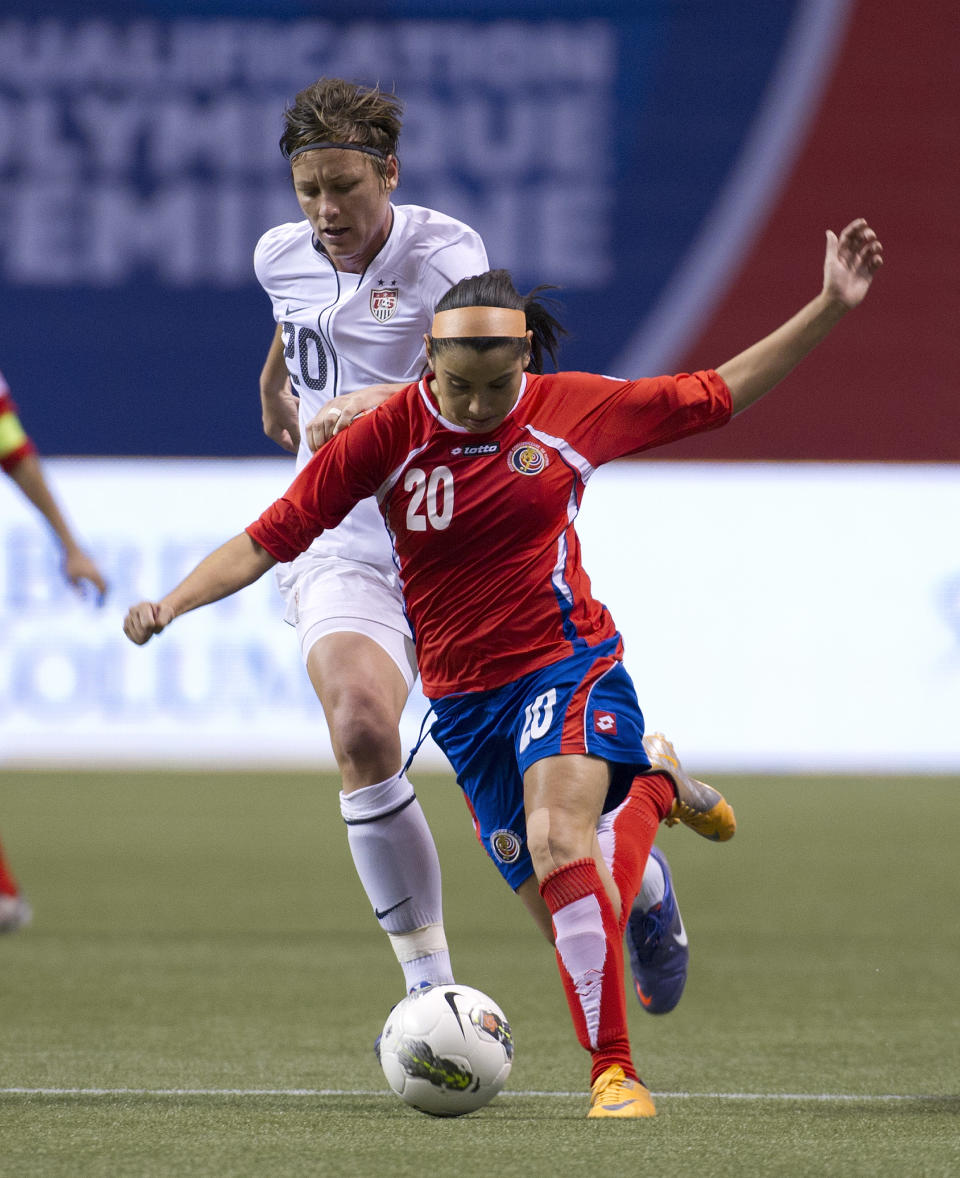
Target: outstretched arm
x: 231, y: 567
x: 77, y: 566
x: 851, y: 261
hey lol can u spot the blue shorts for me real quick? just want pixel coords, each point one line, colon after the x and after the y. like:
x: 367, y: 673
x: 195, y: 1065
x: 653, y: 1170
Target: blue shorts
x: 583, y: 704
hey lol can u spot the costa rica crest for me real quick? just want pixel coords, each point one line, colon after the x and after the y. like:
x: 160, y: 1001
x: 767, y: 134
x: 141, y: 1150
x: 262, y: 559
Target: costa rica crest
x: 383, y: 302
x: 506, y: 845
x: 528, y: 458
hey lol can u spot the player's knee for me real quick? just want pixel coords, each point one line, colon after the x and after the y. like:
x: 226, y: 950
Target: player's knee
x: 556, y: 843
x: 363, y: 732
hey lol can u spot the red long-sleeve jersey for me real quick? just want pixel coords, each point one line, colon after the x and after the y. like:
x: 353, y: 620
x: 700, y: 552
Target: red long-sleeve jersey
x: 482, y: 525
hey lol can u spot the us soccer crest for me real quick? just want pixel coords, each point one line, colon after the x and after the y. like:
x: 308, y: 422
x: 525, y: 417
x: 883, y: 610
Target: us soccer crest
x: 383, y: 302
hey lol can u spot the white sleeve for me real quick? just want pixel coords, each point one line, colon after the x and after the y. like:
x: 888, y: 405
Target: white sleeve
x: 446, y: 265
x: 263, y: 255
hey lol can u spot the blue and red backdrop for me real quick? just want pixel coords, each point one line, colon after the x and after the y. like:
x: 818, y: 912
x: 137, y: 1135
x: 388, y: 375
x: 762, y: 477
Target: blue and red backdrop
x: 671, y: 166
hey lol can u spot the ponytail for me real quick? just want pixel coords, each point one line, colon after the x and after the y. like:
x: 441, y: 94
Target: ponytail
x: 495, y: 289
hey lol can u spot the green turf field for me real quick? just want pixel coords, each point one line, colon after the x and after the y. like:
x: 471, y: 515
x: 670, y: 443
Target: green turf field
x: 203, y: 981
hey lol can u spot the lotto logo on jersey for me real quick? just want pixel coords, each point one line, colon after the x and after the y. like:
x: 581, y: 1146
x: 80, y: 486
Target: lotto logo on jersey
x: 478, y: 450
x: 528, y: 458
x: 605, y: 723
x: 383, y: 302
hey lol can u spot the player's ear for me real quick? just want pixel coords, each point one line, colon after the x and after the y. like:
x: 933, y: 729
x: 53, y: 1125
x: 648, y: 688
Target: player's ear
x: 428, y: 346
x: 393, y: 174
x: 528, y: 349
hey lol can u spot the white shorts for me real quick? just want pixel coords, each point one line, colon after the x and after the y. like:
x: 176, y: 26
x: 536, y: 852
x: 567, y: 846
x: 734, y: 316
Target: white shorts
x: 333, y: 595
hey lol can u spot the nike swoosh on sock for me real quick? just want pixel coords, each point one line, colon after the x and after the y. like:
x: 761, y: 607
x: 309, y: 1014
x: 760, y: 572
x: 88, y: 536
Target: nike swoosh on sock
x: 386, y: 912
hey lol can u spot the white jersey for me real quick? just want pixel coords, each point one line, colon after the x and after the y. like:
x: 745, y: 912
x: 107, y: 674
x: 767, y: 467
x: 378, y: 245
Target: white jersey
x: 342, y: 332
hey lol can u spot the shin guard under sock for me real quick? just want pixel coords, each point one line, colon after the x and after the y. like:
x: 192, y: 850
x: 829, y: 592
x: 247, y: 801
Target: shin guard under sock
x: 589, y: 946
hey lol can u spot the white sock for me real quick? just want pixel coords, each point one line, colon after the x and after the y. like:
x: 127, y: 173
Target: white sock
x: 654, y: 886
x: 396, y: 860
x: 423, y: 956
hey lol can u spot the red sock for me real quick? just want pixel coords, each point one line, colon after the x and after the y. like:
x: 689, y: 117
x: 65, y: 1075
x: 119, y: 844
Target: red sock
x: 626, y: 840
x: 590, y: 958
x: 8, y: 885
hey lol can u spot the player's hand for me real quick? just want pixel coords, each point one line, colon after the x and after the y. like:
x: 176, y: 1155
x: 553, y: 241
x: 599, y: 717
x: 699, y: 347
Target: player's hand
x: 851, y: 262
x: 280, y: 412
x: 80, y: 571
x: 146, y: 619
x: 338, y: 412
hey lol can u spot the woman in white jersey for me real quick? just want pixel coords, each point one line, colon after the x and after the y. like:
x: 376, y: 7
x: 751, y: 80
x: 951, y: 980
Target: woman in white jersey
x: 353, y: 288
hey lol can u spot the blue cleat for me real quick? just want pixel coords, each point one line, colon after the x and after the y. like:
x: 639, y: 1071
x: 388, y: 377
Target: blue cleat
x: 657, y: 944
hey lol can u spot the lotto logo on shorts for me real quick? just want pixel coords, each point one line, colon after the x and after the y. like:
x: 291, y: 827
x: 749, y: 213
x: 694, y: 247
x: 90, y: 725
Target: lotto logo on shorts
x: 383, y: 302
x: 528, y: 458
x: 505, y: 846
x: 605, y: 723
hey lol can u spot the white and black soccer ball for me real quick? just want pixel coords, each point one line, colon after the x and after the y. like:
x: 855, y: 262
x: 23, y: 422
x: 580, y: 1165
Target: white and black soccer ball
x: 446, y: 1050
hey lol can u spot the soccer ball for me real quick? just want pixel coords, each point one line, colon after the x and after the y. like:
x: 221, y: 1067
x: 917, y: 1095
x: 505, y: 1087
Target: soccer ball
x: 446, y: 1050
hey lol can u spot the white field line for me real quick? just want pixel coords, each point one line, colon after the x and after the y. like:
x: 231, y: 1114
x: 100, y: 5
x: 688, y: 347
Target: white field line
x: 822, y: 1097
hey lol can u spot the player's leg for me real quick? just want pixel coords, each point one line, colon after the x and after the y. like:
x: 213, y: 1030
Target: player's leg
x: 655, y: 935
x: 656, y: 939
x: 564, y: 797
x: 528, y: 893
x: 503, y: 745
x: 362, y: 668
x: 480, y: 735
x: 363, y: 692
x: 585, y: 709
x: 15, y: 912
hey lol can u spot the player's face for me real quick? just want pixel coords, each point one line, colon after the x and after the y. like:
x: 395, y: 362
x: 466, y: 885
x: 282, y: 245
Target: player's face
x: 346, y: 202
x: 476, y: 390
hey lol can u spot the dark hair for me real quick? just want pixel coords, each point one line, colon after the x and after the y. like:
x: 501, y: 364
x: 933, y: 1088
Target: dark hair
x: 335, y: 111
x: 495, y: 289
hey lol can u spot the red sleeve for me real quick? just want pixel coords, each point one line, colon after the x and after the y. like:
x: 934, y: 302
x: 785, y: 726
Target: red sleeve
x: 15, y: 445
x: 350, y: 467
x: 618, y: 417
x: 9, y: 461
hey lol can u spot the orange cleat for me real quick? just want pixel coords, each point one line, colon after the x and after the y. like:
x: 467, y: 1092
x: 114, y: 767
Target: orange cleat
x: 698, y: 805
x: 613, y: 1095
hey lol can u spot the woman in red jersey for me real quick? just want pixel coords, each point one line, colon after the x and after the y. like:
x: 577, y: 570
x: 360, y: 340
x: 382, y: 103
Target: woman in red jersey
x: 18, y: 459
x: 479, y: 470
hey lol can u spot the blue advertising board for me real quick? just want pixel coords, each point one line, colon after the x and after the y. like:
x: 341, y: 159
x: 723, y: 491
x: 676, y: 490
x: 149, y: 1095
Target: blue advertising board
x: 624, y: 152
